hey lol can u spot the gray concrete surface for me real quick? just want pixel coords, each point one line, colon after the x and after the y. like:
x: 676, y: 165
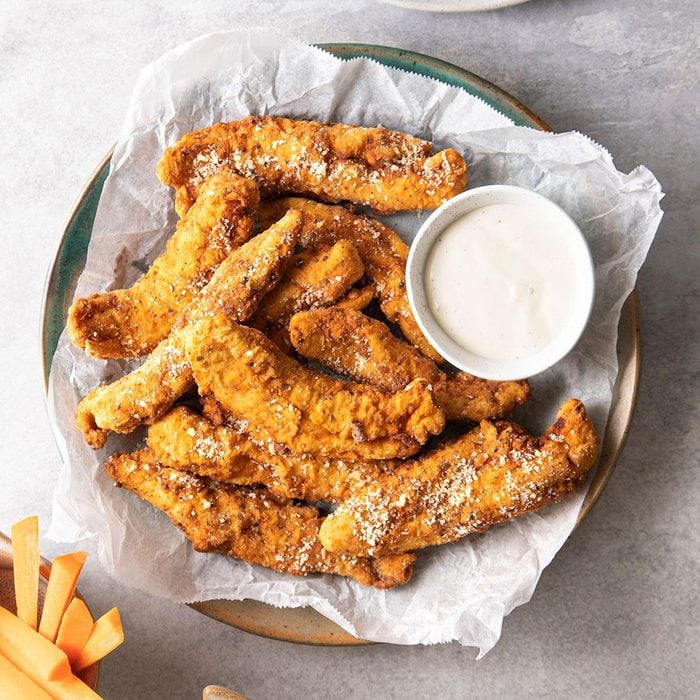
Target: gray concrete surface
x: 616, y: 614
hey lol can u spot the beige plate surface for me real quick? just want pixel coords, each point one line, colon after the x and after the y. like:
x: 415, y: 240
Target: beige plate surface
x: 305, y: 625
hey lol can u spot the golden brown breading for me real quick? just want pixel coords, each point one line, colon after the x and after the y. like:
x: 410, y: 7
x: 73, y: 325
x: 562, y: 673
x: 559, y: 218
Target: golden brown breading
x: 138, y: 397
x: 131, y: 322
x: 492, y: 474
x: 357, y: 298
x: 183, y: 439
x: 248, y: 523
x: 235, y: 289
x: 314, y: 277
x: 386, y: 170
x: 380, y: 247
x: 276, y: 398
x: 364, y: 349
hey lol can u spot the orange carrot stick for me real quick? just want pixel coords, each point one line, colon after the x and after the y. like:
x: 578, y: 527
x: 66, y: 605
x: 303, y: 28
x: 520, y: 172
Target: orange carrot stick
x: 107, y: 634
x: 16, y: 685
x: 25, y: 557
x: 63, y: 578
x: 29, y: 651
x: 69, y: 687
x: 75, y: 629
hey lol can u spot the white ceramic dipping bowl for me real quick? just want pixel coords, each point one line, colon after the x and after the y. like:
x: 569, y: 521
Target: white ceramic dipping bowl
x: 485, y: 367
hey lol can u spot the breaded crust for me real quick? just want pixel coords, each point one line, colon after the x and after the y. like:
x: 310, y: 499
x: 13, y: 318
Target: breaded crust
x: 137, y: 398
x: 276, y: 398
x: 129, y: 323
x: 379, y: 246
x: 357, y: 298
x: 248, y: 523
x: 386, y: 170
x: 183, y: 439
x: 492, y: 474
x: 314, y: 277
x: 235, y: 289
x: 364, y: 349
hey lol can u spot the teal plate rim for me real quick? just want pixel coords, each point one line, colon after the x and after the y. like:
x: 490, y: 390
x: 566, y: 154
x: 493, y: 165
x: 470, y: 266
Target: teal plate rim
x: 305, y: 625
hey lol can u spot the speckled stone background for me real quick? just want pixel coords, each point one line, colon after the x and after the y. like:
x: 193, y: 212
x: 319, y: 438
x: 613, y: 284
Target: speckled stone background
x: 616, y: 615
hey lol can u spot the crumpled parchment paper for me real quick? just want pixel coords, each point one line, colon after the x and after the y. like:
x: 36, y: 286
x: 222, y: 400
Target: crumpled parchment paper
x: 461, y: 591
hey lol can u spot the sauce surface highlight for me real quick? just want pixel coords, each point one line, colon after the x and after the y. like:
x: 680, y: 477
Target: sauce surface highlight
x: 501, y: 281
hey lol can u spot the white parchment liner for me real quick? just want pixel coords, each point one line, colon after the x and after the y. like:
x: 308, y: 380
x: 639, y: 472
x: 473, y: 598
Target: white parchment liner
x: 460, y: 591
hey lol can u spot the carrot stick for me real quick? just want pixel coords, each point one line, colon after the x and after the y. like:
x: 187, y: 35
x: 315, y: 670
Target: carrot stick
x: 29, y: 651
x: 75, y: 629
x: 107, y: 634
x: 16, y: 685
x: 69, y: 687
x: 25, y: 557
x: 45, y: 664
x: 63, y: 578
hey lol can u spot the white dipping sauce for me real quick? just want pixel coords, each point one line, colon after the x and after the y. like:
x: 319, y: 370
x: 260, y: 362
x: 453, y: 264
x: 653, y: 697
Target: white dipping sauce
x: 501, y: 281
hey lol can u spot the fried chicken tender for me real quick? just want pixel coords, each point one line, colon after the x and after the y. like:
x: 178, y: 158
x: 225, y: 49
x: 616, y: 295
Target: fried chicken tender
x: 357, y: 298
x: 183, y: 439
x: 247, y: 523
x: 380, y: 247
x: 314, y: 277
x: 275, y: 398
x: 364, y: 349
x: 493, y: 473
x: 386, y: 170
x: 235, y: 289
x: 129, y: 323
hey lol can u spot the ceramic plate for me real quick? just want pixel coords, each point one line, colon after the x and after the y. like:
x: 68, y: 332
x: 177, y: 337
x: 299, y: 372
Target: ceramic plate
x: 305, y: 625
